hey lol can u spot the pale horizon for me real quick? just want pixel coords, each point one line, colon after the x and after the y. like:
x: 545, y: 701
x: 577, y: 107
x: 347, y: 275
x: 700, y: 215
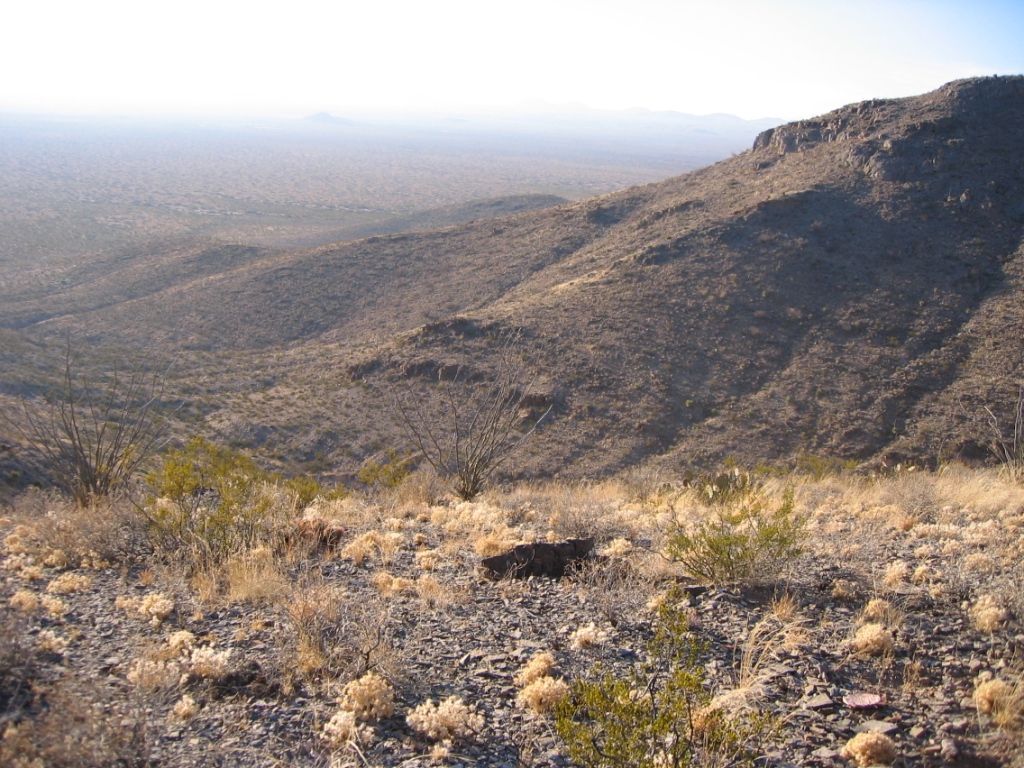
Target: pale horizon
x: 786, y: 60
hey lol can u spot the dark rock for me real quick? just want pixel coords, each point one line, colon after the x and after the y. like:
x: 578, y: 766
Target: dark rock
x: 538, y: 559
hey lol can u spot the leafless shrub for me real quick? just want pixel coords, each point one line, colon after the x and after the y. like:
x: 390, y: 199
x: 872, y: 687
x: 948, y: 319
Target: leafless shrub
x: 466, y: 427
x: 94, y: 437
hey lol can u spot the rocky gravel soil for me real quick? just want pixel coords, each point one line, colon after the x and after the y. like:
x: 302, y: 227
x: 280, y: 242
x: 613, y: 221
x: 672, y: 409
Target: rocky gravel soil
x: 285, y: 656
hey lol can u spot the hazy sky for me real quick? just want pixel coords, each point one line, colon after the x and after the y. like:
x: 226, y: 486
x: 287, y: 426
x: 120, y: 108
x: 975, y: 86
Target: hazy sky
x: 753, y: 58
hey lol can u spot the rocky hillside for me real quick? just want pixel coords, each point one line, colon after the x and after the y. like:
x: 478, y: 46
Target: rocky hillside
x: 850, y: 286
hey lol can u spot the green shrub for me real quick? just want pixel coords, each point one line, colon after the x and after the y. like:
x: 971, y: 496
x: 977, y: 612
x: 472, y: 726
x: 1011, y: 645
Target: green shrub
x: 211, y: 498
x: 721, y: 487
x: 659, y: 714
x: 389, y: 472
x: 739, y: 541
x: 820, y: 467
x: 306, y: 490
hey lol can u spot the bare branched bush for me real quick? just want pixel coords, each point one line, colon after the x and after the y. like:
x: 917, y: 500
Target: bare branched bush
x: 1007, y: 443
x: 467, y: 426
x: 93, y: 436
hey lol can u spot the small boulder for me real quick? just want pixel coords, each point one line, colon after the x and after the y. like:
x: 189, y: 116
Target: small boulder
x: 540, y: 558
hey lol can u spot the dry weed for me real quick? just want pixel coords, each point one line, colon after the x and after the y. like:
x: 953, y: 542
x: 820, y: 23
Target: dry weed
x: 870, y: 749
x: 68, y: 583
x: 539, y: 665
x: 24, y: 601
x: 873, y: 640
x: 541, y: 695
x: 587, y: 636
x: 451, y: 719
x: 988, y: 614
x: 368, y: 698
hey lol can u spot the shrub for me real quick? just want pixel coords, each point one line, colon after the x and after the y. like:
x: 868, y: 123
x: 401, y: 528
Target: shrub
x: 657, y: 714
x: 469, y: 425
x: 307, y: 490
x: 93, y: 436
x: 873, y: 640
x: 542, y: 694
x: 739, y: 541
x: 540, y: 665
x: 209, y: 498
x: 868, y: 749
x: 722, y: 487
x: 368, y: 698
x: 451, y: 719
x: 387, y: 473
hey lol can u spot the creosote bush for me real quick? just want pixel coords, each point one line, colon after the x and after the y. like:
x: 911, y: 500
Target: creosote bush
x: 213, y: 501
x: 658, y: 714
x: 739, y: 540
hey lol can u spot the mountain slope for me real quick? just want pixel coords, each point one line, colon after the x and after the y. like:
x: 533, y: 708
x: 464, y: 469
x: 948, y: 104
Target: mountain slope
x: 850, y: 286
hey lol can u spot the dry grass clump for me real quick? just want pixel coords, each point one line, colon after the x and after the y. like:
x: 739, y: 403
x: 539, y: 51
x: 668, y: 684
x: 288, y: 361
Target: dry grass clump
x: 24, y: 601
x: 427, y: 561
x: 390, y: 585
x: 205, y: 663
x: 343, y: 728
x: 988, y: 614
x: 153, y: 674
x: 49, y: 641
x: 53, y: 605
x: 493, y: 543
x: 368, y: 697
x: 978, y: 562
x: 1001, y: 700
x: 181, y: 642
x: 68, y: 583
x: 873, y: 640
x: 541, y: 695
x: 157, y: 606
x: 31, y: 573
x: 881, y: 611
x: 844, y: 589
x: 185, y: 708
x: 451, y: 719
x: 587, y: 636
x: 539, y: 665
x: 618, y: 548
x: 896, y: 574
x: 254, y: 577
x: 362, y: 547
x: 870, y: 749
x: 432, y: 592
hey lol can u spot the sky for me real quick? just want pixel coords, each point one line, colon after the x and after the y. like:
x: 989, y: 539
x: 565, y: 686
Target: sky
x: 786, y: 59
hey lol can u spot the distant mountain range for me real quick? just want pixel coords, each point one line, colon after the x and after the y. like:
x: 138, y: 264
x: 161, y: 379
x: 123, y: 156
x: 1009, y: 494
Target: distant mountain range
x: 850, y: 286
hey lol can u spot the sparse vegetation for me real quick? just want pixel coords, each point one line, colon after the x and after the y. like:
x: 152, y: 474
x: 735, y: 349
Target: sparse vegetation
x: 659, y: 713
x: 94, y: 436
x: 739, y: 540
x: 465, y: 428
x: 340, y: 628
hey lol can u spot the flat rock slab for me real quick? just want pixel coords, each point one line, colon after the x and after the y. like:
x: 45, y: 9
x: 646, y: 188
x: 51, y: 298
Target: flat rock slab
x: 821, y: 701
x: 877, y: 726
x: 540, y: 558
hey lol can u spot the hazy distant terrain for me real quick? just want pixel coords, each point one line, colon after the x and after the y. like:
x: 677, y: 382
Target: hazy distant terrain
x: 78, y: 185
x: 849, y: 285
